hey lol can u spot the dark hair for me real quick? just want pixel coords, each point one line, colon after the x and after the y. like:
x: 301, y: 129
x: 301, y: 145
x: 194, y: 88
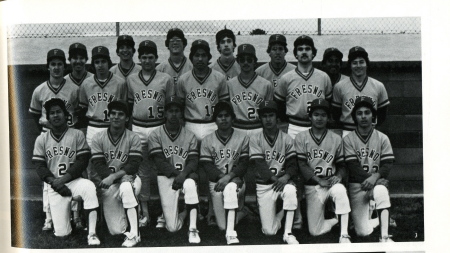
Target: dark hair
x: 55, y: 102
x: 223, y: 106
x: 270, y: 47
x: 364, y: 104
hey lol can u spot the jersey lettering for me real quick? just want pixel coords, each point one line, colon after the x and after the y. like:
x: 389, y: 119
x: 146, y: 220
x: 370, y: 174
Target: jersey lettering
x: 201, y: 93
x: 101, y: 97
x: 226, y: 153
x: 147, y: 94
x: 117, y: 155
x: 350, y: 103
x: 175, y: 150
x: 320, y: 154
x: 59, y: 151
x: 247, y: 96
x: 275, y: 155
x: 306, y: 89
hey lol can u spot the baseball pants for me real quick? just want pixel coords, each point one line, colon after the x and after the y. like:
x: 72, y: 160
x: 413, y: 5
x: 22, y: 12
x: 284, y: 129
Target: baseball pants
x: 293, y: 130
x: 201, y: 130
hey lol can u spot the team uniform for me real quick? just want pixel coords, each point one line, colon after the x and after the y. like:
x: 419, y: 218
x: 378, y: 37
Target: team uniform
x: 200, y: 96
x: 70, y: 78
x: 297, y: 91
x: 321, y: 155
x: 67, y: 91
x: 125, y: 73
x: 175, y: 72
x: 95, y: 95
x: 225, y: 155
x: 275, y: 153
x: 176, y: 150
x: 268, y: 72
x: 119, y: 195
x: 229, y: 72
x: 245, y: 99
x: 370, y: 152
x: 346, y: 91
x: 59, y: 154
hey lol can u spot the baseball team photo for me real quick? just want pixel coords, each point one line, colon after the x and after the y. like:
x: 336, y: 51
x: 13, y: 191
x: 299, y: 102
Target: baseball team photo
x: 216, y: 133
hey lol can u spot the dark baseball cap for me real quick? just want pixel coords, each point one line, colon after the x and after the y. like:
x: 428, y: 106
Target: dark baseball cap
x: 246, y: 49
x: 77, y: 46
x: 277, y: 39
x: 125, y: 40
x: 100, y: 51
x: 203, y: 44
x: 364, y: 101
x: 119, y: 105
x: 148, y: 45
x: 357, y: 51
x: 267, y: 106
x: 303, y: 40
x: 223, y: 106
x: 319, y: 103
x: 173, y: 100
x: 332, y: 51
x: 56, y: 53
x: 225, y: 33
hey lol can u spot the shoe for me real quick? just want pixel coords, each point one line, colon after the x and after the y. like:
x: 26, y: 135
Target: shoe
x: 161, y: 222
x: 392, y: 223
x: 78, y: 224
x: 344, y: 239
x: 212, y: 221
x: 193, y: 236
x: 232, y: 238
x: 290, y: 239
x: 93, y: 240
x: 143, y: 221
x: 130, y: 240
x: 386, y: 239
x: 48, y: 225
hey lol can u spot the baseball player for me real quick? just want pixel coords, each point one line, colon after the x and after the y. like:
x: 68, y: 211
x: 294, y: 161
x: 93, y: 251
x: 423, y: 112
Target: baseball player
x: 174, y: 149
x: 296, y: 89
x: 226, y: 63
x: 125, y: 50
x: 224, y: 156
x: 369, y: 158
x: 332, y: 63
x: 247, y: 91
x: 60, y: 156
x: 99, y: 90
x: 116, y: 156
x: 321, y: 162
x: 55, y: 87
x: 177, y: 64
x: 147, y: 91
x: 359, y: 84
x: 273, y: 156
x: 278, y: 66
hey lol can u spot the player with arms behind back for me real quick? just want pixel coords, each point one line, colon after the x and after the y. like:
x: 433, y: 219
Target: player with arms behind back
x: 116, y: 156
x: 369, y: 158
x: 224, y: 156
x: 321, y: 162
x: 226, y: 63
x: 60, y: 156
x: 174, y: 150
x: 273, y: 156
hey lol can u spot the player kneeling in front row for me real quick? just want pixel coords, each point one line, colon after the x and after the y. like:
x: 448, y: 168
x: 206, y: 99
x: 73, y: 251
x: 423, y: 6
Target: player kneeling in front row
x: 224, y: 156
x: 116, y: 156
x: 321, y: 162
x: 173, y: 149
x: 60, y: 156
x: 369, y: 158
x: 273, y: 155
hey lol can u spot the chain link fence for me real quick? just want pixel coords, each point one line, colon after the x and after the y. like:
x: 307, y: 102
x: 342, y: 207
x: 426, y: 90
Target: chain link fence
x: 327, y: 26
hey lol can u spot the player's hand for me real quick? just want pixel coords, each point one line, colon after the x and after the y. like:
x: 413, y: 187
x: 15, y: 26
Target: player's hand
x: 279, y: 184
x: 369, y: 183
x: 238, y: 181
x: 64, y: 191
x: 107, y: 182
x: 57, y: 184
x: 324, y: 182
x: 220, y: 185
x: 334, y: 179
x: 178, y: 182
x: 127, y: 178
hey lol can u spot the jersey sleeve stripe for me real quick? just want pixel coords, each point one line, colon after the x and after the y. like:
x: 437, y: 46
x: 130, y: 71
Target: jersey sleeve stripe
x: 384, y: 103
x: 35, y: 111
x: 83, y: 104
x: 340, y: 159
x: 335, y: 104
x: 279, y: 98
x: 387, y: 157
x: 193, y: 152
x: 290, y: 154
x: 351, y: 157
x: 244, y: 154
x: 256, y: 156
x: 206, y: 158
x: 38, y: 158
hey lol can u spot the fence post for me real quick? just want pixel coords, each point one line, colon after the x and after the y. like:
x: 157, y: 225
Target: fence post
x: 319, y: 26
x: 117, y: 29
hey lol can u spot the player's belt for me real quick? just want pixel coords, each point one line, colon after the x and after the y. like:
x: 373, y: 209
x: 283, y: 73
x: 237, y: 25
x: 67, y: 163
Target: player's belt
x: 141, y: 123
x: 199, y: 121
x: 98, y: 123
x: 242, y: 124
x: 299, y: 121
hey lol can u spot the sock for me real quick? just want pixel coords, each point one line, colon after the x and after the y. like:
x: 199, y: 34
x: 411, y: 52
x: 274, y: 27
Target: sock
x: 289, y: 221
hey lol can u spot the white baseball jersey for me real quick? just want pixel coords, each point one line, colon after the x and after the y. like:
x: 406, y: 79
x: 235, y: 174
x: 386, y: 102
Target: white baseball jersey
x: 268, y: 72
x: 175, y: 72
x: 67, y: 91
x: 230, y: 71
x: 224, y: 154
x: 148, y: 97
x: 346, y: 91
x: 273, y: 152
x: 321, y: 154
x: 175, y: 149
x: 245, y: 99
x: 70, y: 78
x: 201, y: 95
x: 124, y: 74
x: 96, y: 95
x: 299, y: 90
x: 369, y: 151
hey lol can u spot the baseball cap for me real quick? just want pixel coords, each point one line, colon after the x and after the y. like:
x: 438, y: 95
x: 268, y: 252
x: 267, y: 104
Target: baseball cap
x: 363, y: 101
x: 125, y: 40
x: 55, y: 102
x: 77, y: 48
x: 119, y: 105
x: 277, y: 38
x: 225, y: 33
x: 199, y: 44
x: 246, y: 49
x: 304, y: 40
x: 332, y: 51
x: 100, y: 51
x: 175, y: 32
x: 357, y: 51
x: 223, y: 106
x: 56, y: 53
x: 173, y: 100
x: 319, y: 103
x: 267, y: 106
x: 148, y: 45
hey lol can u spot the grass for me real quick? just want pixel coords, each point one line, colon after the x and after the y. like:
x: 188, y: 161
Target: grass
x: 408, y: 213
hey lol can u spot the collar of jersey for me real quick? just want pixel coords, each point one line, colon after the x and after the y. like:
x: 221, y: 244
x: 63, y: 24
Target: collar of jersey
x: 76, y: 81
x: 318, y: 141
x: 225, y: 69
x: 141, y: 76
x: 177, y: 69
x: 122, y: 70
x: 60, y: 137
x: 366, y: 139
x: 201, y: 80
x: 169, y: 135
x: 359, y: 88
x: 103, y: 84
x: 246, y: 85
x: 277, y: 73
x: 55, y: 91
x: 271, y: 143
x: 118, y: 139
x: 224, y: 142
x: 303, y: 76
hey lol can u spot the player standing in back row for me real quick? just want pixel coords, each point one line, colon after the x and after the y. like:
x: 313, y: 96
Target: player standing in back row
x: 125, y: 50
x: 226, y: 63
x: 248, y: 91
